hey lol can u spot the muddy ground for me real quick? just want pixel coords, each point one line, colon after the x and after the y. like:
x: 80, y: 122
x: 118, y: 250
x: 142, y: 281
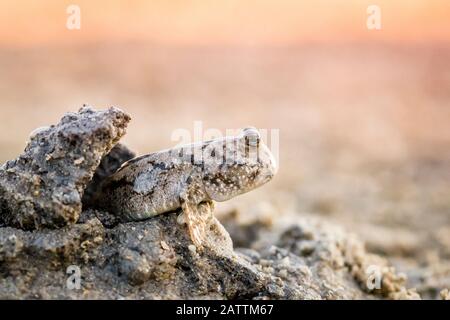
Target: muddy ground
x: 364, y: 135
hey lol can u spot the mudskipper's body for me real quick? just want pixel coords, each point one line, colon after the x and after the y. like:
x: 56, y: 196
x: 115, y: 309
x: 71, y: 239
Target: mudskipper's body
x: 185, y: 176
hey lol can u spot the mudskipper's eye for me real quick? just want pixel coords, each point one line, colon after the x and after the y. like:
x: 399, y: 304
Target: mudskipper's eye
x: 252, y: 137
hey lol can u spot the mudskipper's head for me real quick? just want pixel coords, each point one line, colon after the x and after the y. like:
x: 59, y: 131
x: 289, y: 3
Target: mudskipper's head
x: 236, y: 165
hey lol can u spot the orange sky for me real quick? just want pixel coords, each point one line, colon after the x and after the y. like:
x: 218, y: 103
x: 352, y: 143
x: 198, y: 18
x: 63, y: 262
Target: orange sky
x: 223, y: 22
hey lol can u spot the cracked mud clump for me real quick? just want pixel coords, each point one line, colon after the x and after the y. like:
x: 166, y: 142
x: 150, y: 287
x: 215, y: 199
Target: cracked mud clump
x: 48, y: 225
x: 43, y: 187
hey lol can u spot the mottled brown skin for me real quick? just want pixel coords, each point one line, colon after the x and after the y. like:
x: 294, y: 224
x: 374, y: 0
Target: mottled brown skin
x: 185, y: 176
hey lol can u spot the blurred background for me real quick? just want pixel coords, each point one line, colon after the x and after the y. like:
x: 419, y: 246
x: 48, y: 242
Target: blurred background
x: 364, y: 115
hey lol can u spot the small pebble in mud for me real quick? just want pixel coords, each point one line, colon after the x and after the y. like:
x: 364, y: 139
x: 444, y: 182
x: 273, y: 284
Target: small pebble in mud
x: 445, y: 294
x: 285, y: 261
x: 192, y: 248
x: 283, y: 273
x: 164, y: 245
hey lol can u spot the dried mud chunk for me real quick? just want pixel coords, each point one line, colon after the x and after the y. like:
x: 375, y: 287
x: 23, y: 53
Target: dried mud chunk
x: 157, y: 253
x: 43, y: 187
x: 77, y: 242
x: 73, y: 243
x: 11, y: 243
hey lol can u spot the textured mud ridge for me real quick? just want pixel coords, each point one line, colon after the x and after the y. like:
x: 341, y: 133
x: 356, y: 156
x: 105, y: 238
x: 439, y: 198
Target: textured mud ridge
x: 44, y: 185
x: 48, y: 225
